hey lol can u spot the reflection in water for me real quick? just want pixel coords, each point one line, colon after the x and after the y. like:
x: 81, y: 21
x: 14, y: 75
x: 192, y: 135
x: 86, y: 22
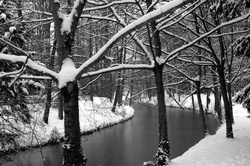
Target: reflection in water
x: 130, y: 143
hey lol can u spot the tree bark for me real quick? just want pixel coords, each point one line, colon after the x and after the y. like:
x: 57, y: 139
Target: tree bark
x: 72, y: 151
x: 49, y: 86
x: 228, y: 111
x: 117, y: 93
x: 163, y: 146
x: 202, y: 114
x: 163, y: 153
x: 217, y: 98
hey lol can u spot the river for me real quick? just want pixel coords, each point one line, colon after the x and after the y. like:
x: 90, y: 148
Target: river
x: 130, y: 143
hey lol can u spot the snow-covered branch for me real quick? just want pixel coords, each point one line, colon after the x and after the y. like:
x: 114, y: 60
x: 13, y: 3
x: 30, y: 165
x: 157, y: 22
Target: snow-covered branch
x: 29, y: 63
x: 116, y: 68
x: 100, y: 6
x: 174, y: 53
x: 186, y: 41
x: 98, y: 17
x: 183, y: 14
x: 145, y: 19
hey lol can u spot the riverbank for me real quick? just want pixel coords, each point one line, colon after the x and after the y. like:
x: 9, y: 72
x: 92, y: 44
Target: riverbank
x: 93, y: 116
x: 217, y: 150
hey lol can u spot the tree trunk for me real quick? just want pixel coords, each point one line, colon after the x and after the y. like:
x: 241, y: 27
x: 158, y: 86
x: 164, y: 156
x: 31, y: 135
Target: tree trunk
x: 217, y: 103
x: 163, y: 147
x: 49, y: 88
x: 228, y: 111
x: 192, y: 96
x: 131, y: 91
x: 202, y: 114
x: 208, y: 101
x: 72, y: 151
x: 48, y: 102
x: 117, y: 93
x: 217, y: 98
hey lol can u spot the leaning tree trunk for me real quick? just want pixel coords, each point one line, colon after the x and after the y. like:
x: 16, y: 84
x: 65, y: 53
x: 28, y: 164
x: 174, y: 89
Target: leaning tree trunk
x: 117, y: 94
x: 72, y: 151
x: 163, y: 147
x: 228, y: 111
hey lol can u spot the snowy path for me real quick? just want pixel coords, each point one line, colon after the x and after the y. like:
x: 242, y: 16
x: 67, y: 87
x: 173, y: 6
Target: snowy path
x: 217, y: 150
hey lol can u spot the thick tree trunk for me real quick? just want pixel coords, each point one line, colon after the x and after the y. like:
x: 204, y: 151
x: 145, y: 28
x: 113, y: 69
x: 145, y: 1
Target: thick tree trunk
x: 228, y: 111
x: 163, y: 147
x: 72, y: 151
x: 202, y: 114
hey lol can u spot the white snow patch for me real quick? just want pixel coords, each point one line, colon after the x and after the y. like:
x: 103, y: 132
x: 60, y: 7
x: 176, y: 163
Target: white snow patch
x: 12, y: 29
x: 160, y: 60
x: 3, y: 15
x: 68, y: 18
x: 67, y: 74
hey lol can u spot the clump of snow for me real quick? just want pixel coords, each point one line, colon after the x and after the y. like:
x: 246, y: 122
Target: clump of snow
x: 3, y: 16
x: 6, y: 35
x: 160, y: 60
x: 67, y: 18
x: 67, y: 74
x: 12, y: 29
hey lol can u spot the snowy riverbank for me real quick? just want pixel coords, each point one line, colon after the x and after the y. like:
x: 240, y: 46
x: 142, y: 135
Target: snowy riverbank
x: 217, y: 150
x: 93, y: 116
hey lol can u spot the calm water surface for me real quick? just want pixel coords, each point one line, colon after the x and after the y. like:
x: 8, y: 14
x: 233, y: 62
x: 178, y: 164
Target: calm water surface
x: 130, y: 143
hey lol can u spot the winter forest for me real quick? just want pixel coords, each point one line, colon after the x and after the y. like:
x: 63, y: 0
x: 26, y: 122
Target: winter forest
x: 70, y: 68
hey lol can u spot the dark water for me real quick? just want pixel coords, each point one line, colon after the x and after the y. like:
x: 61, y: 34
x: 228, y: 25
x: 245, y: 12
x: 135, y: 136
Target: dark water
x: 130, y: 143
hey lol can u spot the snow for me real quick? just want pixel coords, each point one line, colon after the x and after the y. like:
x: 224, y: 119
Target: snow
x: 160, y: 60
x: 68, y: 18
x: 12, y: 29
x: 220, y: 151
x: 3, y: 16
x: 216, y: 150
x: 131, y: 27
x: 93, y: 116
x: 67, y: 74
x: 29, y: 63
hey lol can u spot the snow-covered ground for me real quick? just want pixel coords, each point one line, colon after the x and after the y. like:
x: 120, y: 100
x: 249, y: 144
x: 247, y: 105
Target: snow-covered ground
x: 217, y: 150
x: 93, y: 116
